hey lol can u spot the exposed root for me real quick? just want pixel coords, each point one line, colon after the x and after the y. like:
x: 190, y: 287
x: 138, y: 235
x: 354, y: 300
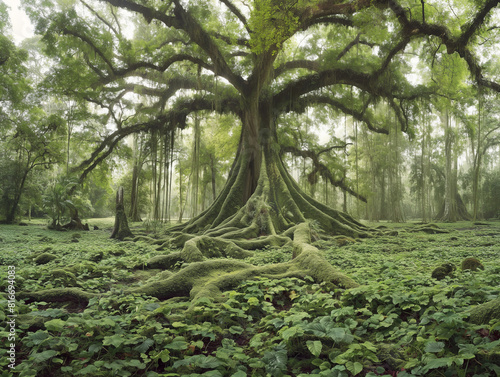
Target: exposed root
x: 210, y: 278
x: 58, y: 295
x: 429, y: 229
x: 484, y: 313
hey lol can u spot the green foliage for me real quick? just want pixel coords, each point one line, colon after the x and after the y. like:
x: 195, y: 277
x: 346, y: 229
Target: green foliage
x: 273, y: 22
x: 57, y: 200
x: 401, y: 321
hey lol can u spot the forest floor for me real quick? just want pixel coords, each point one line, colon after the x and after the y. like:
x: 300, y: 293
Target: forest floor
x: 400, y: 321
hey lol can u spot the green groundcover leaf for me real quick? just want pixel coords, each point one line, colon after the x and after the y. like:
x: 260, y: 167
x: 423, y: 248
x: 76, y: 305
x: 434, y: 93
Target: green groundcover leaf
x: 434, y: 347
x: 55, y: 325
x: 314, y: 347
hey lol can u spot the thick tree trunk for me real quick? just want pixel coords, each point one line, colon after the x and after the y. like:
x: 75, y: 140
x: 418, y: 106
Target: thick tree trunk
x: 121, y: 229
x: 14, y: 204
x: 261, y: 196
x: 461, y: 211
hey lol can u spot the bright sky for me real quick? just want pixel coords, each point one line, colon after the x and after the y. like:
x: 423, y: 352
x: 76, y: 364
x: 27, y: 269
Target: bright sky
x: 21, y: 25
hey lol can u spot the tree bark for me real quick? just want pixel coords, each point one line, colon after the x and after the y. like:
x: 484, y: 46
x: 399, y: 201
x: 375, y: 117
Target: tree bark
x: 121, y: 229
x: 134, y: 195
x: 260, y: 196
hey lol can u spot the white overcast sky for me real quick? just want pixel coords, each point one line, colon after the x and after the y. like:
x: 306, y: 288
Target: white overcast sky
x: 21, y: 25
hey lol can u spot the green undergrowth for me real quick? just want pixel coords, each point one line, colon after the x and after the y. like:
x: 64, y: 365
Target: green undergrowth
x: 399, y: 322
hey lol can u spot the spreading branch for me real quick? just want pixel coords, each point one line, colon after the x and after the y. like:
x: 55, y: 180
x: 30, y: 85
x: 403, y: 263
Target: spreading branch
x: 322, y: 169
x: 302, y: 103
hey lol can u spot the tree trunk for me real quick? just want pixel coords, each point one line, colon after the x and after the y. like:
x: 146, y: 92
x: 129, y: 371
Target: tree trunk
x: 134, y: 195
x: 453, y: 208
x: 213, y: 172
x: 450, y: 204
x: 477, y: 157
x: 14, y: 204
x: 260, y: 195
x: 136, y: 173
x: 121, y: 229
x: 195, y: 167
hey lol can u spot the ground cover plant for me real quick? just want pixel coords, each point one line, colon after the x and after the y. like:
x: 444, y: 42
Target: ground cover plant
x: 399, y: 321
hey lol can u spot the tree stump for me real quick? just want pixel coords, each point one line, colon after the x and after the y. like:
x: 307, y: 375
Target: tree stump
x: 121, y: 229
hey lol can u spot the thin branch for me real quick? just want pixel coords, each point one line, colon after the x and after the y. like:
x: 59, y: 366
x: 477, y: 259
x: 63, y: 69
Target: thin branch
x: 237, y: 13
x: 92, y: 10
x: 355, y: 42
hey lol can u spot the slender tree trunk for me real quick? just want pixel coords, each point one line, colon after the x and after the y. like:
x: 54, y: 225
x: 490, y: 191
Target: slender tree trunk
x: 395, y: 190
x: 195, y: 166
x: 450, y: 206
x: 477, y: 157
x: 160, y: 167
x: 134, y: 194
x: 213, y: 172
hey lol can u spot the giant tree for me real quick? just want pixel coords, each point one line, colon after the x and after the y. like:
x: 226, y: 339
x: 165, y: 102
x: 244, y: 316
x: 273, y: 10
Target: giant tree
x: 258, y: 60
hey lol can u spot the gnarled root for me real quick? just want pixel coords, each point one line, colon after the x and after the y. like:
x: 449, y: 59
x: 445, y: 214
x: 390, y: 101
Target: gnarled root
x: 210, y: 278
x: 75, y: 295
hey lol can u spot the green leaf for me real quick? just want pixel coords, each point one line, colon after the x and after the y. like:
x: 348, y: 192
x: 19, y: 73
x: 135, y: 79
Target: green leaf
x: 55, y: 325
x: 434, y: 347
x: 275, y: 361
x: 178, y: 324
x: 236, y: 329
x: 239, y: 373
x: 144, y: 346
x: 314, y: 347
x: 253, y: 301
x: 164, y: 355
x: 178, y: 344
x: 370, y: 346
x: 438, y: 363
x: 291, y: 332
x: 136, y: 364
x: 115, y: 340
x: 38, y: 337
x: 354, y: 367
x: 88, y: 370
x: 43, y: 356
x: 95, y: 347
